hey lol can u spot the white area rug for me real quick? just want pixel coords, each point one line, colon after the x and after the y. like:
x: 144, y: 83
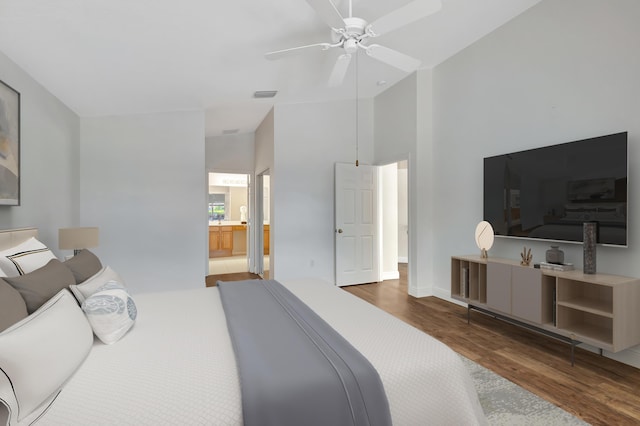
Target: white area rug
x: 505, y: 403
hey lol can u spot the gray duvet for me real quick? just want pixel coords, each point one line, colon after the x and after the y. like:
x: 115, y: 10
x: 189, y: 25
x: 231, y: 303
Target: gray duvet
x: 294, y: 368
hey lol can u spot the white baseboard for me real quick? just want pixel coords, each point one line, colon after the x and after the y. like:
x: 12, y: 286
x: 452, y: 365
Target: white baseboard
x: 420, y: 291
x: 446, y: 295
x: 403, y: 260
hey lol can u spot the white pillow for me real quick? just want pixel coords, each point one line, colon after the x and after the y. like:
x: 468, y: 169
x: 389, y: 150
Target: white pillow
x: 86, y: 288
x: 25, y: 257
x: 39, y: 354
x: 110, y: 311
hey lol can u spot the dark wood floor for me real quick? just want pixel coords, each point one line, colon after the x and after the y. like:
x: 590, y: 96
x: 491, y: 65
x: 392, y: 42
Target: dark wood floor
x: 597, y: 389
x: 211, y: 280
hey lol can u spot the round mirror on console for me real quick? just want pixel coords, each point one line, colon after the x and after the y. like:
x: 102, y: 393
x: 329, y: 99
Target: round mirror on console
x: 484, y: 238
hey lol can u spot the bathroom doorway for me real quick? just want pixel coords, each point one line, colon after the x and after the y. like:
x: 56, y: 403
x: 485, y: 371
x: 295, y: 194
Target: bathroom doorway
x: 228, y: 214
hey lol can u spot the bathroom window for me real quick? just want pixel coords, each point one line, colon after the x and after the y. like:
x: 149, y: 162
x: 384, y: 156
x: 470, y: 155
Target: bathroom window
x: 216, y: 207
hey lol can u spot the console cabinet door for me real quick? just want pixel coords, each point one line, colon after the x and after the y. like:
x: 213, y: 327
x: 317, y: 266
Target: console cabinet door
x: 499, y: 286
x: 526, y: 293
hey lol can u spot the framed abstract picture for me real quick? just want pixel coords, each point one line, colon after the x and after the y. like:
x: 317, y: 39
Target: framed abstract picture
x: 9, y: 146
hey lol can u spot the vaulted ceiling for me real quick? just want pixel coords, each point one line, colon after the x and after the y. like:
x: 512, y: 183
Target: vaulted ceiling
x: 114, y: 57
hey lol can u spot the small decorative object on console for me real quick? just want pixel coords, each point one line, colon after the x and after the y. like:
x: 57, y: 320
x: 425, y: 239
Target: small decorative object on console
x: 526, y: 257
x: 555, y: 255
x: 556, y: 266
x: 589, y: 238
x: 484, y: 238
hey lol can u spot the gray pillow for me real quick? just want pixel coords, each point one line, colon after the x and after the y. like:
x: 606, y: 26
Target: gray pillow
x: 84, y: 265
x: 42, y: 284
x: 12, y: 306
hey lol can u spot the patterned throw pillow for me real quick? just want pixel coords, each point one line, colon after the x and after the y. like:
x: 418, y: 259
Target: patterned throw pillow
x: 110, y: 311
x: 85, y: 289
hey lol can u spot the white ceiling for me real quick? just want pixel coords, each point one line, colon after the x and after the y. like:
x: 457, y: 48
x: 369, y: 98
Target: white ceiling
x: 114, y: 57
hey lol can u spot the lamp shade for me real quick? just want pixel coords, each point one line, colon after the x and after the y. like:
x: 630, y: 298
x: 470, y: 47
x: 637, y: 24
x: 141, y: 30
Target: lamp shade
x: 77, y: 238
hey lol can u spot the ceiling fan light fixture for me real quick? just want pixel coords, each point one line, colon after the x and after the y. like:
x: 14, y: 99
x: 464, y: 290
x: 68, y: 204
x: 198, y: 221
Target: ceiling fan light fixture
x: 350, y: 45
x: 352, y: 33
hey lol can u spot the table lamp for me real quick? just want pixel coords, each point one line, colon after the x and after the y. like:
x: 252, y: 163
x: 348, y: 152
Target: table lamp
x: 77, y: 239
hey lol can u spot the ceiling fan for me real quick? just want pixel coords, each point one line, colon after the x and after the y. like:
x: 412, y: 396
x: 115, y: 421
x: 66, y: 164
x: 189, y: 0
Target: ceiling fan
x: 352, y: 33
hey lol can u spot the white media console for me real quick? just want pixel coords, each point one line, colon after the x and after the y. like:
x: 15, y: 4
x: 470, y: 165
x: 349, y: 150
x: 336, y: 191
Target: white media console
x: 601, y: 310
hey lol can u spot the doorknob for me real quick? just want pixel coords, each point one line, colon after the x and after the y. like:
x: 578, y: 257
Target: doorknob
x: 339, y: 230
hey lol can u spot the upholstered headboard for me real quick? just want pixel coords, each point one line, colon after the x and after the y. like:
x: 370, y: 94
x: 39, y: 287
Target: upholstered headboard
x: 13, y: 237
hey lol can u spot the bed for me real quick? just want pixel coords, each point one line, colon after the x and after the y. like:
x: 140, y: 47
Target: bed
x: 176, y: 365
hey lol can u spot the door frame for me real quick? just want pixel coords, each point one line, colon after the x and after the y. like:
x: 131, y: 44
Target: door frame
x: 250, y: 211
x: 411, y: 250
x: 257, y: 266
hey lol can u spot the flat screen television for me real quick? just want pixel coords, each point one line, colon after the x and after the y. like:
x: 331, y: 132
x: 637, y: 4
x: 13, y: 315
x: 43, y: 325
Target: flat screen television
x: 548, y: 193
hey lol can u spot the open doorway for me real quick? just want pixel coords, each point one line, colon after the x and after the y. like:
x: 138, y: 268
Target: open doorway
x: 403, y: 220
x: 228, y: 210
x: 394, y: 210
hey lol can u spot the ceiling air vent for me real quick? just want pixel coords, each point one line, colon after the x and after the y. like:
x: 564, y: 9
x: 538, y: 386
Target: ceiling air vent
x: 230, y: 131
x: 265, y: 94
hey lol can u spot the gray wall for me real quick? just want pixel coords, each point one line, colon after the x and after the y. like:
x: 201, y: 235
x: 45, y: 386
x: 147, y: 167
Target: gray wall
x: 396, y: 121
x: 403, y: 131
x: 49, y: 169
x: 143, y: 183
x: 562, y: 71
x: 265, y: 144
x: 230, y: 153
x: 309, y: 139
x: 139, y: 178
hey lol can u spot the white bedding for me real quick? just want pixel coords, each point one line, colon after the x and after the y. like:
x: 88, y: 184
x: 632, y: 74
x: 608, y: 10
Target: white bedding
x: 177, y: 367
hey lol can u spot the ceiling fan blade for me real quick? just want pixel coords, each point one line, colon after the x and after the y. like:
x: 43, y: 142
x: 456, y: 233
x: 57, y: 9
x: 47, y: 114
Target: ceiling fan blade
x: 405, y: 15
x: 393, y: 57
x: 328, y: 12
x: 297, y: 50
x: 339, y: 70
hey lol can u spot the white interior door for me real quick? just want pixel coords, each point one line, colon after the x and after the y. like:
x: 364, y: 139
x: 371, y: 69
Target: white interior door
x: 356, y: 232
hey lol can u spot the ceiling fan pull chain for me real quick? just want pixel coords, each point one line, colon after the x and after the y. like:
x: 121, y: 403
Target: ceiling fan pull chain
x: 357, y: 113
